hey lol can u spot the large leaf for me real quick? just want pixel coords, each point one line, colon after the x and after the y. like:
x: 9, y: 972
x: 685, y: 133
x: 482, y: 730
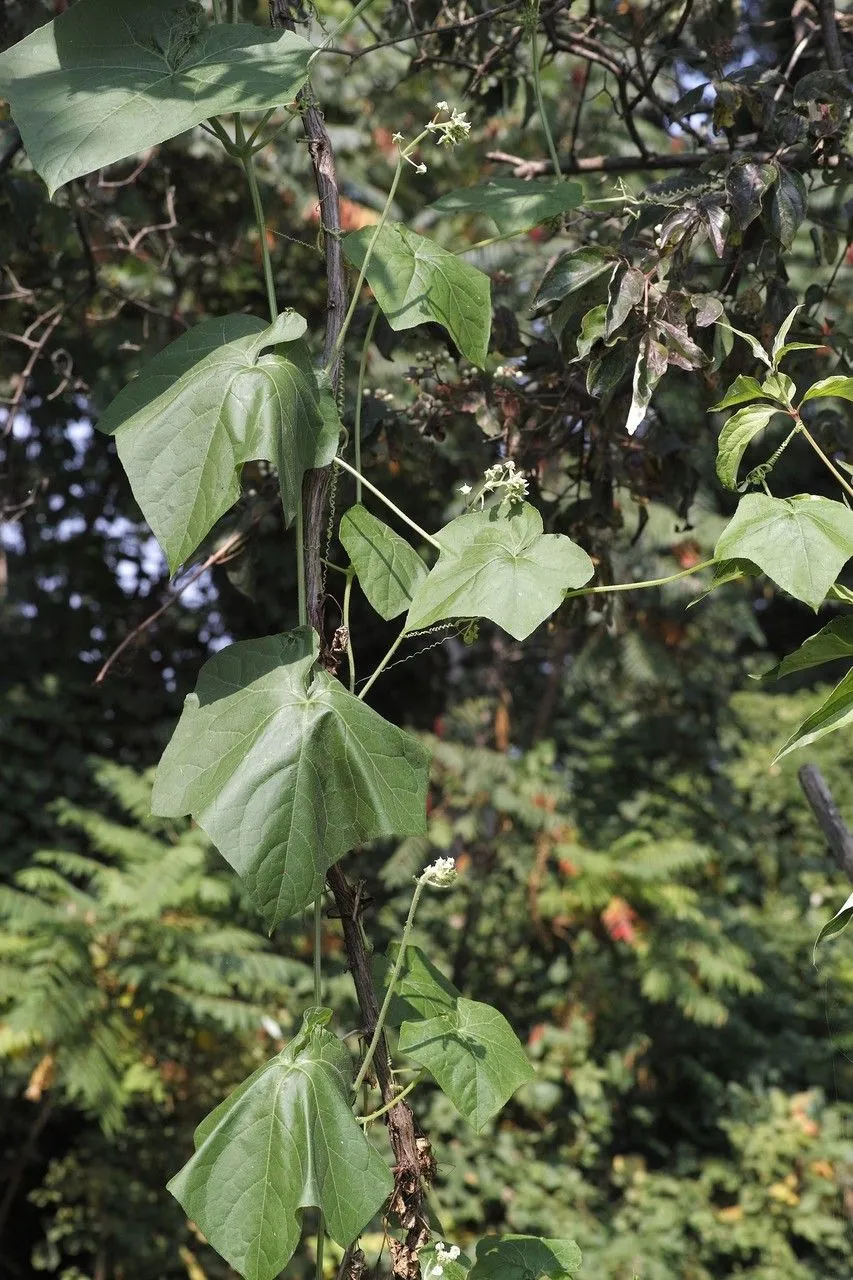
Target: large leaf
x: 469, y: 1048
x: 286, y: 771
x: 736, y: 436
x: 109, y: 78
x: 512, y: 203
x: 499, y: 567
x: 202, y: 408
x: 388, y: 569
x: 284, y: 1141
x: 415, y: 281
x: 838, y: 386
x: 525, y: 1258
x: 835, y: 712
x: 832, y: 642
x: 801, y: 543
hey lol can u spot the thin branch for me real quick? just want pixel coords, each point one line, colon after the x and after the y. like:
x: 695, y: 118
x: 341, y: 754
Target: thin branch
x: 801, y: 160
x: 837, y: 833
x: 448, y: 29
x: 831, y: 38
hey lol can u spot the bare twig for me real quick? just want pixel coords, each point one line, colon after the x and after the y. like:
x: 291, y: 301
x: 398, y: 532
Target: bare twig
x: 837, y: 833
x: 831, y: 38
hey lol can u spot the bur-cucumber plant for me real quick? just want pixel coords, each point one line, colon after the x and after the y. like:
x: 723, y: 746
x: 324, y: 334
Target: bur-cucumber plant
x: 282, y: 763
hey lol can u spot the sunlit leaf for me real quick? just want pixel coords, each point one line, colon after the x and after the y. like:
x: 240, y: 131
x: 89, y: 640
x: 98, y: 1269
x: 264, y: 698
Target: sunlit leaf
x: 742, y: 391
x: 513, y: 204
x: 569, y: 273
x: 839, y: 386
x: 835, y: 712
x: 389, y: 570
x: 832, y: 642
x: 285, y: 1140
x: 525, y: 1258
x: 736, y: 436
x: 499, y: 567
x: 801, y: 543
x: 286, y: 771
x: 415, y: 281
x: 110, y: 78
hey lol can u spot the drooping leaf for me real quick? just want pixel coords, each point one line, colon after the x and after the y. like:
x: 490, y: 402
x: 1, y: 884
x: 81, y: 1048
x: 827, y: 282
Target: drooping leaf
x: 626, y: 292
x: 788, y: 204
x: 284, y: 1141
x: 735, y: 437
x: 415, y: 281
x: 229, y: 391
x: 110, y: 78
x: 286, y: 771
x: 525, y: 1258
x: 388, y: 569
x: 835, y: 712
x: 839, y: 921
x: 513, y: 204
x: 649, y: 368
x: 838, y: 386
x: 801, y: 543
x: 469, y: 1048
x: 592, y: 329
x: 833, y: 641
x: 746, y: 183
x: 568, y: 274
x: 499, y: 567
x: 742, y: 391
x: 753, y: 343
x: 682, y: 351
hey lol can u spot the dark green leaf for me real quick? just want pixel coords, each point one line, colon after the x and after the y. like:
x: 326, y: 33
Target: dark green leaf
x: 286, y: 771
x: 284, y: 1141
x: 592, y: 330
x: 835, y: 712
x: 106, y: 80
x: 788, y: 206
x: 833, y: 641
x: 682, y: 351
x: 735, y: 437
x: 513, y: 204
x: 570, y: 273
x: 746, y: 183
x: 202, y: 408
x: 415, y: 281
x: 742, y: 391
x: 499, y: 567
x: 717, y: 222
x: 801, y: 543
x: 389, y: 570
x: 627, y: 289
x: 838, y: 386
x: 525, y: 1258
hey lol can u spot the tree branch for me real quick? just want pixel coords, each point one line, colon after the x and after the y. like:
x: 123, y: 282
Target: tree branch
x: 801, y: 160
x: 837, y: 833
x: 831, y: 38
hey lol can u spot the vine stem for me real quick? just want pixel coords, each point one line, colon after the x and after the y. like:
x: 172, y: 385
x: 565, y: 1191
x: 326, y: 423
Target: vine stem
x: 537, y: 88
x: 392, y: 982
x: 392, y: 506
x: 345, y: 623
x: 217, y: 11
x: 252, y: 179
x: 640, y: 586
x: 398, y: 1097
x: 382, y: 665
x: 359, y: 397
x: 827, y: 462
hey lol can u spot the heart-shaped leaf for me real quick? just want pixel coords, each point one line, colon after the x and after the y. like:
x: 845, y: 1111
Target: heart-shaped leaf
x: 388, y: 569
x: 415, y: 281
x: 832, y: 642
x: 514, y: 204
x: 735, y: 437
x: 202, y: 408
x: 286, y: 771
x: 499, y: 567
x: 109, y: 78
x: 525, y: 1258
x: 835, y: 712
x: 284, y: 1141
x: 469, y: 1048
x: 801, y: 543
x: 838, y: 386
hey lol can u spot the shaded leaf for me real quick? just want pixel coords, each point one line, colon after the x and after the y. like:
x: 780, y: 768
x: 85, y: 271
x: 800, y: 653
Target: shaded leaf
x: 285, y: 1140
x: 707, y: 308
x: 835, y: 712
x: 717, y: 222
x: 838, y: 386
x: 788, y: 205
x: 833, y: 641
x: 801, y: 543
x: 202, y: 408
x: 627, y: 289
x: 512, y: 203
x: 735, y: 437
x: 286, y: 771
x: 592, y: 330
x: 499, y: 567
x: 106, y: 80
x: 389, y: 570
x: 682, y: 351
x: 569, y: 273
x: 415, y: 281
x: 746, y: 183
x: 525, y: 1258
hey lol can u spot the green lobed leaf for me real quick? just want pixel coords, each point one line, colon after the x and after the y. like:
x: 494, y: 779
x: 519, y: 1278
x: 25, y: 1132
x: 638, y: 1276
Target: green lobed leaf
x: 204, y: 407
x: 735, y: 437
x: 285, y: 1140
x: 835, y: 712
x: 569, y: 273
x: 838, y: 386
x: 742, y: 391
x: 469, y: 1048
x: 415, y: 281
x: 839, y: 921
x: 499, y: 567
x: 801, y: 543
x: 525, y: 1258
x: 286, y: 771
x: 110, y: 78
x: 388, y: 569
x: 833, y: 641
x: 514, y: 204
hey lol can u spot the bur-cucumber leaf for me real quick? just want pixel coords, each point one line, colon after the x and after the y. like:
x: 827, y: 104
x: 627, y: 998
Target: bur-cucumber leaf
x: 525, y: 1258
x: 389, y: 570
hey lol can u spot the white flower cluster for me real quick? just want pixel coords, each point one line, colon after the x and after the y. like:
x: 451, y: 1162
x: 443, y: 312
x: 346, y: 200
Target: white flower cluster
x: 449, y: 132
x: 442, y: 1254
x: 505, y: 479
x: 441, y: 874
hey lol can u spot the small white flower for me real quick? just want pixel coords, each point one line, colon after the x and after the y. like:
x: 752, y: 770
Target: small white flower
x: 396, y: 137
x: 441, y: 874
x: 465, y: 489
x: 454, y: 1252
x: 420, y: 168
x: 442, y: 106
x: 437, y: 1270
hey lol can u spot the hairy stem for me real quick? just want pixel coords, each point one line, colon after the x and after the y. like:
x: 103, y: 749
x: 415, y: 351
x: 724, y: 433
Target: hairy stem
x: 392, y: 506
x: 382, y: 665
x: 359, y: 397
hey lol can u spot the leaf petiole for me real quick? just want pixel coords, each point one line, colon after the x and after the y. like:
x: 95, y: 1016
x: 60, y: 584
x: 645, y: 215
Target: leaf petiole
x: 392, y: 506
x: 640, y: 586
